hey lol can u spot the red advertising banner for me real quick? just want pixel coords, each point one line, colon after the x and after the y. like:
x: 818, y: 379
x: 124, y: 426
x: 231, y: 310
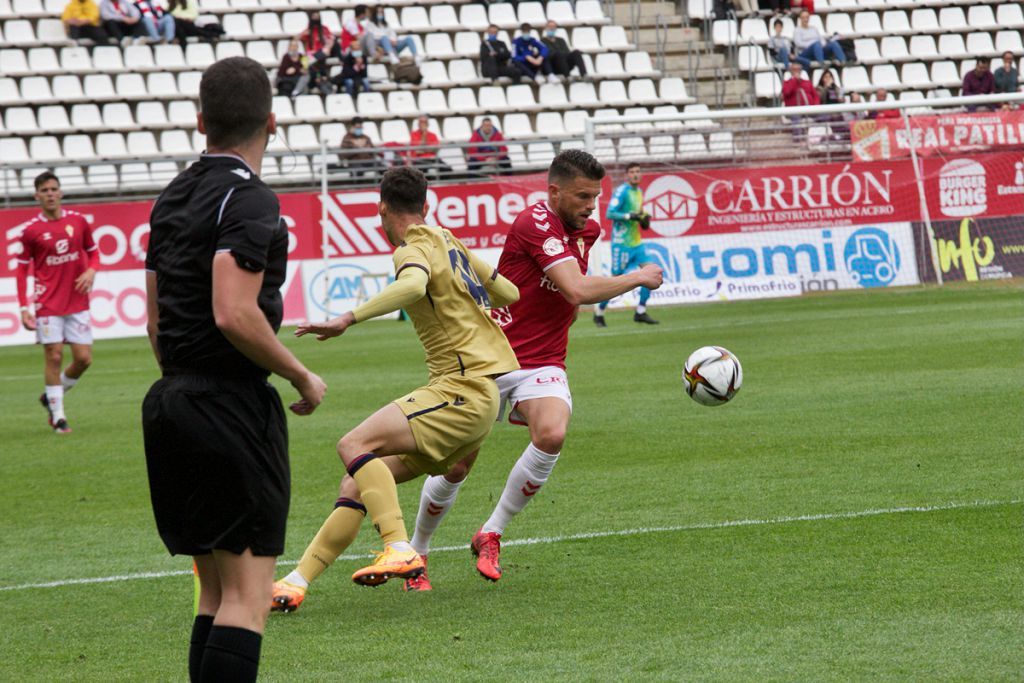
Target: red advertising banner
x: 882, y: 139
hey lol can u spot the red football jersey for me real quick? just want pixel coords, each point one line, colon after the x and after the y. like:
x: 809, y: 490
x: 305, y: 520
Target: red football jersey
x: 58, y: 252
x: 537, y: 325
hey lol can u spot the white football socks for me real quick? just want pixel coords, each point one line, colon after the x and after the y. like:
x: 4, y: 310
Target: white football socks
x: 529, y: 474
x: 436, y: 500
x: 55, y: 397
x: 297, y: 579
x: 68, y: 382
x: 641, y: 309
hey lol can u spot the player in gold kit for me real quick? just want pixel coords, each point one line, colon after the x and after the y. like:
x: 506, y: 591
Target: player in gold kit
x: 447, y: 292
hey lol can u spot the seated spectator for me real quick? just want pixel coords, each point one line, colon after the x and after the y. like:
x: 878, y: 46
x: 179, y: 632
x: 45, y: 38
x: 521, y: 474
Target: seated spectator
x: 159, y: 24
x: 487, y: 155
x: 851, y: 116
x: 319, y: 45
x: 882, y: 95
x: 978, y: 81
x: 357, y: 151
x: 781, y: 49
x: 293, y: 73
x: 81, y: 19
x: 352, y: 31
x: 122, y: 20
x: 1006, y: 78
x: 563, y: 58
x: 404, y: 70
x: 353, y: 73
x: 828, y: 91
x: 531, y: 56
x: 185, y: 13
x: 495, y: 58
x: 378, y: 33
x: 424, y: 146
x: 797, y: 91
x: 809, y: 43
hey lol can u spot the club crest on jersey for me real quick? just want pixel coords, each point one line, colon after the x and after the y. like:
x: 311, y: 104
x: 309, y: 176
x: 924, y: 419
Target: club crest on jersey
x: 70, y: 230
x: 553, y: 246
x: 582, y: 246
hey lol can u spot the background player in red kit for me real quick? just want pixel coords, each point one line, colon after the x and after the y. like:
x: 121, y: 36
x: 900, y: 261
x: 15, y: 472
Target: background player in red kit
x: 545, y: 256
x: 58, y: 248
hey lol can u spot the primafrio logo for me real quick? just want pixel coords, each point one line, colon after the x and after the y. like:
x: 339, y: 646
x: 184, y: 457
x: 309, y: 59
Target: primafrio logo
x: 672, y: 204
x: 963, y: 188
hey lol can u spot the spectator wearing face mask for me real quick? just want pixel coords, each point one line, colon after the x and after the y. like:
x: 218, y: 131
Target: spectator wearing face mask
x: 531, y: 56
x: 353, y: 74
x: 293, y: 73
x: 358, y: 153
x: 378, y: 33
x: 495, y: 57
x: 563, y: 58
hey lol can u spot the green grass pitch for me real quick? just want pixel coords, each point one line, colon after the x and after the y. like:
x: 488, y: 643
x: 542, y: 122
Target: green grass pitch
x: 769, y: 539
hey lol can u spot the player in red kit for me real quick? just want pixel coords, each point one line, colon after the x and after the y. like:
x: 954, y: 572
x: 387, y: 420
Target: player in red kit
x: 545, y: 256
x: 58, y: 248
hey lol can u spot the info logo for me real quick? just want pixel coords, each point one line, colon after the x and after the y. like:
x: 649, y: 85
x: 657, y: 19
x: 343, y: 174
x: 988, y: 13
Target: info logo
x: 963, y: 188
x: 672, y: 204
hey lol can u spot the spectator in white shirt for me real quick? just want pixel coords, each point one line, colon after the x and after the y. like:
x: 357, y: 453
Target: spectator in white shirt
x: 379, y: 33
x: 810, y: 45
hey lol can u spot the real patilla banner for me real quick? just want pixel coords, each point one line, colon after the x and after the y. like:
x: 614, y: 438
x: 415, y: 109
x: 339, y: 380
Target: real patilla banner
x: 881, y: 139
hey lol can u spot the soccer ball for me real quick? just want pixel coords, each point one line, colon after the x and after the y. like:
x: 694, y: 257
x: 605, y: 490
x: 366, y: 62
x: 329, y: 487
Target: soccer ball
x: 712, y: 375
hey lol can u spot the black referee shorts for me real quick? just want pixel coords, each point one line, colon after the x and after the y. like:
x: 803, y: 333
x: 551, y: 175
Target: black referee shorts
x: 217, y: 456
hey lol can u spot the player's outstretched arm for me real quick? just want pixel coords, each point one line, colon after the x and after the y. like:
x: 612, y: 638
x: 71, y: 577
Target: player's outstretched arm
x: 238, y: 316
x: 409, y: 287
x: 579, y: 289
x: 500, y: 289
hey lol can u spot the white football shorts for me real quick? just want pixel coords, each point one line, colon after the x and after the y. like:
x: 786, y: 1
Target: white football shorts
x: 73, y: 329
x: 523, y: 385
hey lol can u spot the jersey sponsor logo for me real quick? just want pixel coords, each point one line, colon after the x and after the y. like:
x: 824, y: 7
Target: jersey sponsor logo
x: 553, y: 246
x: 62, y: 246
x: 61, y: 260
x: 546, y: 283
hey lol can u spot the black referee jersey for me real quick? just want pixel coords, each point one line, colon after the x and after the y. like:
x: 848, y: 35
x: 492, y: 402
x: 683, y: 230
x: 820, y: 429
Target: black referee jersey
x: 218, y: 204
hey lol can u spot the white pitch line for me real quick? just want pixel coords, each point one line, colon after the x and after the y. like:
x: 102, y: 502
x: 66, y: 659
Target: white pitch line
x: 639, y: 531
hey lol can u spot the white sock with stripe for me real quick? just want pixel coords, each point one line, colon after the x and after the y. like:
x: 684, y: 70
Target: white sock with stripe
x: 529, y: 474
x: 436, y: 500
x: 67, y: 382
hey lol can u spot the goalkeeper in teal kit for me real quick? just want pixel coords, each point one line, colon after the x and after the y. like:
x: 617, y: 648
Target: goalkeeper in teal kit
x: 628, y: 253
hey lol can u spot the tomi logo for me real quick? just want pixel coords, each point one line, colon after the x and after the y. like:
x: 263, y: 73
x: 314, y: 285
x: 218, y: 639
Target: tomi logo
x: 962, y: 188
x: 672, y: 204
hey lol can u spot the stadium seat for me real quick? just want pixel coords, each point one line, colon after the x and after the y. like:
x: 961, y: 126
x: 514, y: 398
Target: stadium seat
x: 453, y: 157
x: 432, y: 101
x: 279, y: 142
x: 151, y: 115
x: 613, y: 93
x: 9, y: 93
x: 467, y: 44
x: 867, y: 24
x: 310, y: 108
x: 952, y: 19
x: 332, y: 134
x: 370, y: 104
x: 199, y: 55
x: 261, y: 51
x: 50, y: 31
x: 590, y: 12
x: 574, y: 121
x: 474, y: 17
x: 463, y: 71
x: 131, y: 86
x: 415, y: 18
x: 294, y: 23
x: 540, y: 153
x: 142, y: 144
x: 638, y: 125
x: 980, y: 44
x: 13, y: 62
x: 43, y: 60
x: 583, y: 95
x: 614, y: 38
x: 503, y: 15
x: 522, y: 97
x: 303, y: 138
x: 34, y: 89
x: 163, y: 172
x: 724, y: 32
x: 838, y: 23
x: 532, y: 13
x: 549, y: 124
x: 602, y: 115
x: 885, y: 76
x: 951, y: 46
x: 237, y: 26
x: 692, y: 145
x: 552, y: 96
x: 395, y: 131
x: 924, y: 20
x: 72, y: 179
x: 915, y: 75
x: 169, y: 57
x: 19, y: 32
x: 666, y: 110
x: 439, y: 46
x: 20, y: 120
x: 753, y: 30
x: 229, y: 48
x: 894, y: 48
x: 182, y: 113
x: 638, y: 65
x: 923, y: 47
x: 896, y: 22
x: 14, y: 151
x: 267, y: 25
x: 464, y: 100
x: 1010, y: 15
x: 87, y: 117
x: 53, y: 118
x: 102, y: 176
x: 642, y: 91
x: 443, y: 18
x: 1009, y: 40
x: 585, y: 39
x: 609, y: 65
x: 767, y: 85
x: 117, y: 116
x: 161, y: 85
x: 753, y: 57
x: 99, y: 87
x: 340, y: 106
x: 673, y: 89
x: 111, y: 145
x: 720, y: 144
x: 456, y: 129
x: 44, y: 148
x: 282, y: 108
x: 561, y: 12
x: 176, y: 143
x: 698, y: 123
x: 434, y: 74
x: 945, y: 74
x: 981, y: 18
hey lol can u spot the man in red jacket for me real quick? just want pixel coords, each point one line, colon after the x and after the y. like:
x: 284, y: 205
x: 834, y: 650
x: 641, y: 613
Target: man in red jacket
x: 798, y: 91
x: 487, y: 154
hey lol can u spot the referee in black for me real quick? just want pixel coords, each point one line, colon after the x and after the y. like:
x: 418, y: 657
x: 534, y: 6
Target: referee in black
x: 215, y: 432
